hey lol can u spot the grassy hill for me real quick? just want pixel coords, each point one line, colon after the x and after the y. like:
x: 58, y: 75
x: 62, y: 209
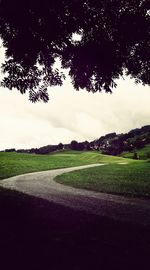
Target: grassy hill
x: 115, y: 144
x: 131, y: 178
x: 16, y: 163
x: 143, y: 153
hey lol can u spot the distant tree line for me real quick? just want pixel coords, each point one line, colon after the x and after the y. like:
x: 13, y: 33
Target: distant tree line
x: 80, y: 146
x: 42, y: 150
x: 110, y: 144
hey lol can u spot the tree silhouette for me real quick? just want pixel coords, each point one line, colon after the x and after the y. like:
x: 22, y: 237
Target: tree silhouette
x: 60, y: 146
x: 114, y: 37
x: 74, y: 145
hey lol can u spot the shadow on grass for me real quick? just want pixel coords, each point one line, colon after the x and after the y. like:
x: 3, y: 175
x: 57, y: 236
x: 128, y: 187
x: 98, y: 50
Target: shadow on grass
x: 36, y: 234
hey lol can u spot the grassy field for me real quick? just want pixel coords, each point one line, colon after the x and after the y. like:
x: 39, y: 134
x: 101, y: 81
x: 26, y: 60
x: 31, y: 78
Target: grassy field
x: 37, y: 234
x: 15, y: 163
x: 118, y: 175
x: 143, y: 153
x: 132, y: 179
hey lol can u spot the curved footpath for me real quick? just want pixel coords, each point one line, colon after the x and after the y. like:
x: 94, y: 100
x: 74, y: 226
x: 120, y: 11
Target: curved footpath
x: 42, y: 185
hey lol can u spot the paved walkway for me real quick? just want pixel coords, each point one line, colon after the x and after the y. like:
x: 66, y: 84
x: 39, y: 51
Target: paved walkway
x: 42, y: 185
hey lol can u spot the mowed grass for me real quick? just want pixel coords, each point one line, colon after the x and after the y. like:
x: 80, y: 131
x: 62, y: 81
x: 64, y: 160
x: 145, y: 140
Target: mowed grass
x: 132, y: 179
x: 16, y: 163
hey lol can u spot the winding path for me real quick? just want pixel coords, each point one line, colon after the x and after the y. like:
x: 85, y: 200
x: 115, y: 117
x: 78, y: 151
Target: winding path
x: 42, y: 185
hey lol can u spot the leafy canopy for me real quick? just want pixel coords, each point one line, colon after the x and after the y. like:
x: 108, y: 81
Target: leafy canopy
x: 114, y: 36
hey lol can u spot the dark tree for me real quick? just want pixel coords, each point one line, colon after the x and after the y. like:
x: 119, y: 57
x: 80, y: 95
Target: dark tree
x: 10, y: 150
x: 114, y: 38
x: 74, y: 145
x: 81, y: 146
x: 87, y: 145
x: 60, y: 146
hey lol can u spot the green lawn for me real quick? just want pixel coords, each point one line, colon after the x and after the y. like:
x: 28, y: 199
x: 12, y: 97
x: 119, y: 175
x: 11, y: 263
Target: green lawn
x: 143, y: 153
x: 132, y: 179
x: 15, y: 163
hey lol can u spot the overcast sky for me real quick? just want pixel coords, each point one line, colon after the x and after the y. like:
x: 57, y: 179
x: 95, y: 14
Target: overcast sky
x: 71, y: 114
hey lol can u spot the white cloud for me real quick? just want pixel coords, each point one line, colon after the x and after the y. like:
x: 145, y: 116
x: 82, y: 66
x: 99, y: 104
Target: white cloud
x: 71, y: 114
